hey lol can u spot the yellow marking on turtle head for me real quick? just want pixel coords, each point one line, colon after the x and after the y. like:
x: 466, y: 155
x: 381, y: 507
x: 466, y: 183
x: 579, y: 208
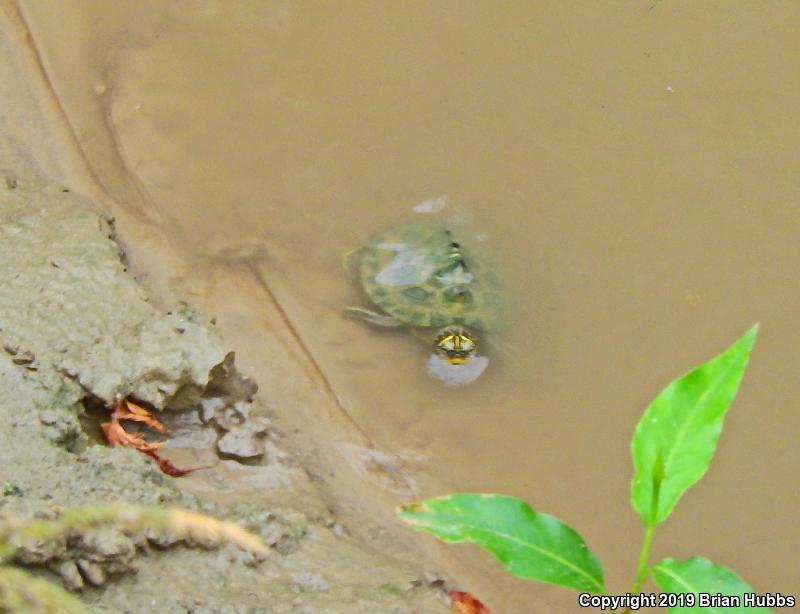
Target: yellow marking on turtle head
x: 455, y: 344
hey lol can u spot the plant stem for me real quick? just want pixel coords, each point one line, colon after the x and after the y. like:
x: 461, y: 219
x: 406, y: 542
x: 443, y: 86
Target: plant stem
x: 644, y: 556
x: 650, y: 526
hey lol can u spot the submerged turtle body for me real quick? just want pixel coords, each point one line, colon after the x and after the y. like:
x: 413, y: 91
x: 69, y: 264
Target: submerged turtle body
x: 420, y: 275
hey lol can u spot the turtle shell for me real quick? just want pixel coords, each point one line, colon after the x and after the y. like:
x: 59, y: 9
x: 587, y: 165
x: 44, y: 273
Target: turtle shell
x: 421, y: 275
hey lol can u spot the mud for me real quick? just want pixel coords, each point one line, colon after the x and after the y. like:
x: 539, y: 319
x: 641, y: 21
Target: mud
x: 76, y: 327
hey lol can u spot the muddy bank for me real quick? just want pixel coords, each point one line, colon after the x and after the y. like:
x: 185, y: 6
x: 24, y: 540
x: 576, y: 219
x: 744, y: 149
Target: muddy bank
x: 77, y: 331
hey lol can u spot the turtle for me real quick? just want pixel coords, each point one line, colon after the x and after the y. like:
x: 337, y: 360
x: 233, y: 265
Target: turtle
x: 419, y: 275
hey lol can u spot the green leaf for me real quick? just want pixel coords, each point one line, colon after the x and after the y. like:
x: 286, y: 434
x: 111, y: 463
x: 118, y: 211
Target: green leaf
x: 530, y: 545
x: 698, y: 576
x: 676, y: 438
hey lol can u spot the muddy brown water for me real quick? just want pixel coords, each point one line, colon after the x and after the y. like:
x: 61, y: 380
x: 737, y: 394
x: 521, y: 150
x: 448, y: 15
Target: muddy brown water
x: 633, y: 165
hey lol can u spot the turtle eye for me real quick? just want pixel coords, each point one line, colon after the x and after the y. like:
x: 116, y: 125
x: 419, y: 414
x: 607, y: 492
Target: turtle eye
x: 446, y: 342
x: 466, y: 343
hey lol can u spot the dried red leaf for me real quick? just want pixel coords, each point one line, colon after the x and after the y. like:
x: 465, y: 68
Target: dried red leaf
x: 464, y: 603
x: 137, y: 413
x: 116, y: 435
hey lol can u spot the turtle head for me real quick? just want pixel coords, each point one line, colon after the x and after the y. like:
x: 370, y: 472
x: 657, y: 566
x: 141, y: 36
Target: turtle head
x: 455, y: 344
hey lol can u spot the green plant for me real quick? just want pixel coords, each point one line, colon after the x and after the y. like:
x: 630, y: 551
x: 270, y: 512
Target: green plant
x: 22, y: 592
x: 672, y: 448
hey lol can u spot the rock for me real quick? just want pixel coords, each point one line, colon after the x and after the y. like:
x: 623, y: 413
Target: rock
x: 69, y: 302
x: 48, y: 417
x: 160, y: 538
x: 242, y: 443
x: 106, y: 544
x: 227, y: 383
x: 227, y: 404
x: 68, y: 572
x: 93, y: 572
